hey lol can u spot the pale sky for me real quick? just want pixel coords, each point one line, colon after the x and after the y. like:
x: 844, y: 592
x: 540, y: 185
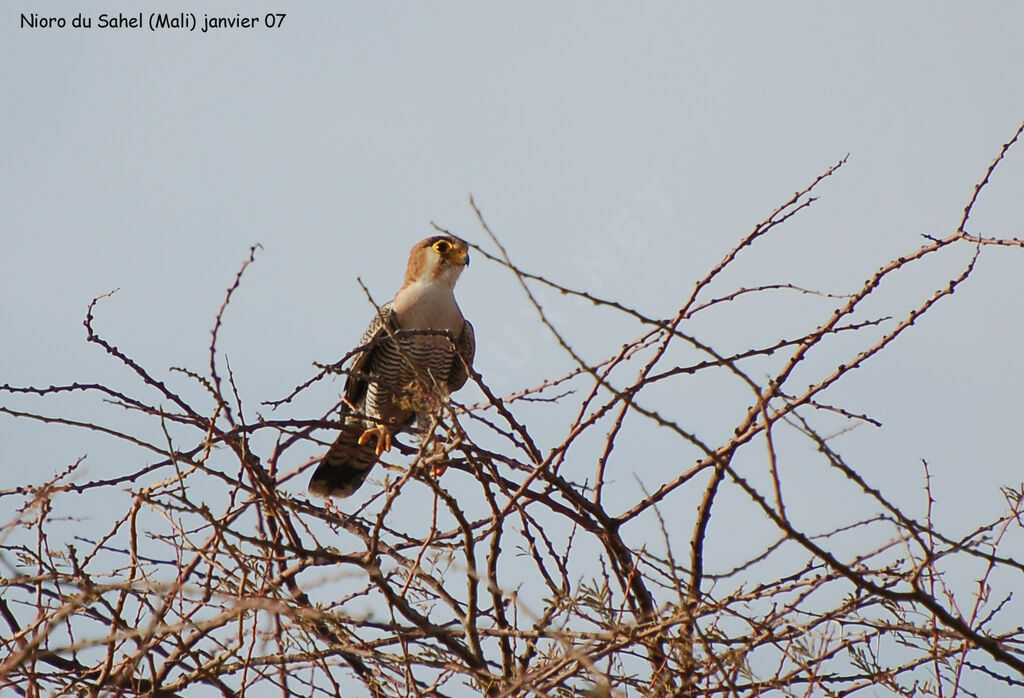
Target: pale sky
x: 150, y: 162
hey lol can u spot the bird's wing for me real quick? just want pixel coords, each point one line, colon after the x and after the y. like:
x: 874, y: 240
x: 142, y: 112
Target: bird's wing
x: 466, y: 344
x: 362, y: 363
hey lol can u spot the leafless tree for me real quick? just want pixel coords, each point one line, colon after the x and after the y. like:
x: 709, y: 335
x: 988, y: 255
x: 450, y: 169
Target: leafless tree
x: 528, y: 568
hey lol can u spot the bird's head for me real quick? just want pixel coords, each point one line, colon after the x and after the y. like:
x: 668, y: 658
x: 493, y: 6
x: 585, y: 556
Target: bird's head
x: 438, y: 258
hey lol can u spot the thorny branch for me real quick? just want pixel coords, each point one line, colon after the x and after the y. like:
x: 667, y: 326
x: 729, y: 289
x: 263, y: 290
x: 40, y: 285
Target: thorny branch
x: 533, y: 572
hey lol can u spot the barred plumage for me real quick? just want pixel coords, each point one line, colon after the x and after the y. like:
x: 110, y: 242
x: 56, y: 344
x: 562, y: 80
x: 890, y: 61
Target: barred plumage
x: 406, y: 365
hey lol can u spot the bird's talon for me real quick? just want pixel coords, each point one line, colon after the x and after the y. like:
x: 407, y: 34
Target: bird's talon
x: 383, y: 435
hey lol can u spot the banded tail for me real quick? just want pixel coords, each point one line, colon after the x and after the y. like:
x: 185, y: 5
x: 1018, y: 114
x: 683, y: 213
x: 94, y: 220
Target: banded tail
x: 347, y: 464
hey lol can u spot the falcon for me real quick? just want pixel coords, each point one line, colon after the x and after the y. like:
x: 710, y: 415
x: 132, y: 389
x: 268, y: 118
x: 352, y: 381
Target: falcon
x: 398, y: 377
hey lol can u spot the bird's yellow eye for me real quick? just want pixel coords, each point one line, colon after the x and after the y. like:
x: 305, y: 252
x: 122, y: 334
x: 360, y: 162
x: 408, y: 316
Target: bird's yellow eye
x: 442, y: 246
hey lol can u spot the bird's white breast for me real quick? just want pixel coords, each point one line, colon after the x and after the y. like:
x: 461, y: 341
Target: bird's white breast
x: 428, y: 306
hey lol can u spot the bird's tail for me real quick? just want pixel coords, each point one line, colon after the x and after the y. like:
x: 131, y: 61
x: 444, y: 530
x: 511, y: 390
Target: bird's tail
x: 346, y: 465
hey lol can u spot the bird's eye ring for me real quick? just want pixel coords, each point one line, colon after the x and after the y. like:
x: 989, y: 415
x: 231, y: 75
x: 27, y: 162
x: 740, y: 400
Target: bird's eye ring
x: 442, y: 246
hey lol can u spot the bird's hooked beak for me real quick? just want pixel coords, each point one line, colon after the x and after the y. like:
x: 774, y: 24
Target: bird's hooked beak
x: 460, y: 255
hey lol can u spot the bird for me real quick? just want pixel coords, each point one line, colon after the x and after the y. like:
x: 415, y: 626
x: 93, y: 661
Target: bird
x: 396, y: 379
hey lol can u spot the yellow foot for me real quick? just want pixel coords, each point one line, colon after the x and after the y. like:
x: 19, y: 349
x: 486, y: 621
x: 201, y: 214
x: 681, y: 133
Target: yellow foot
x: 439, y: 458
x: 383, y: 435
